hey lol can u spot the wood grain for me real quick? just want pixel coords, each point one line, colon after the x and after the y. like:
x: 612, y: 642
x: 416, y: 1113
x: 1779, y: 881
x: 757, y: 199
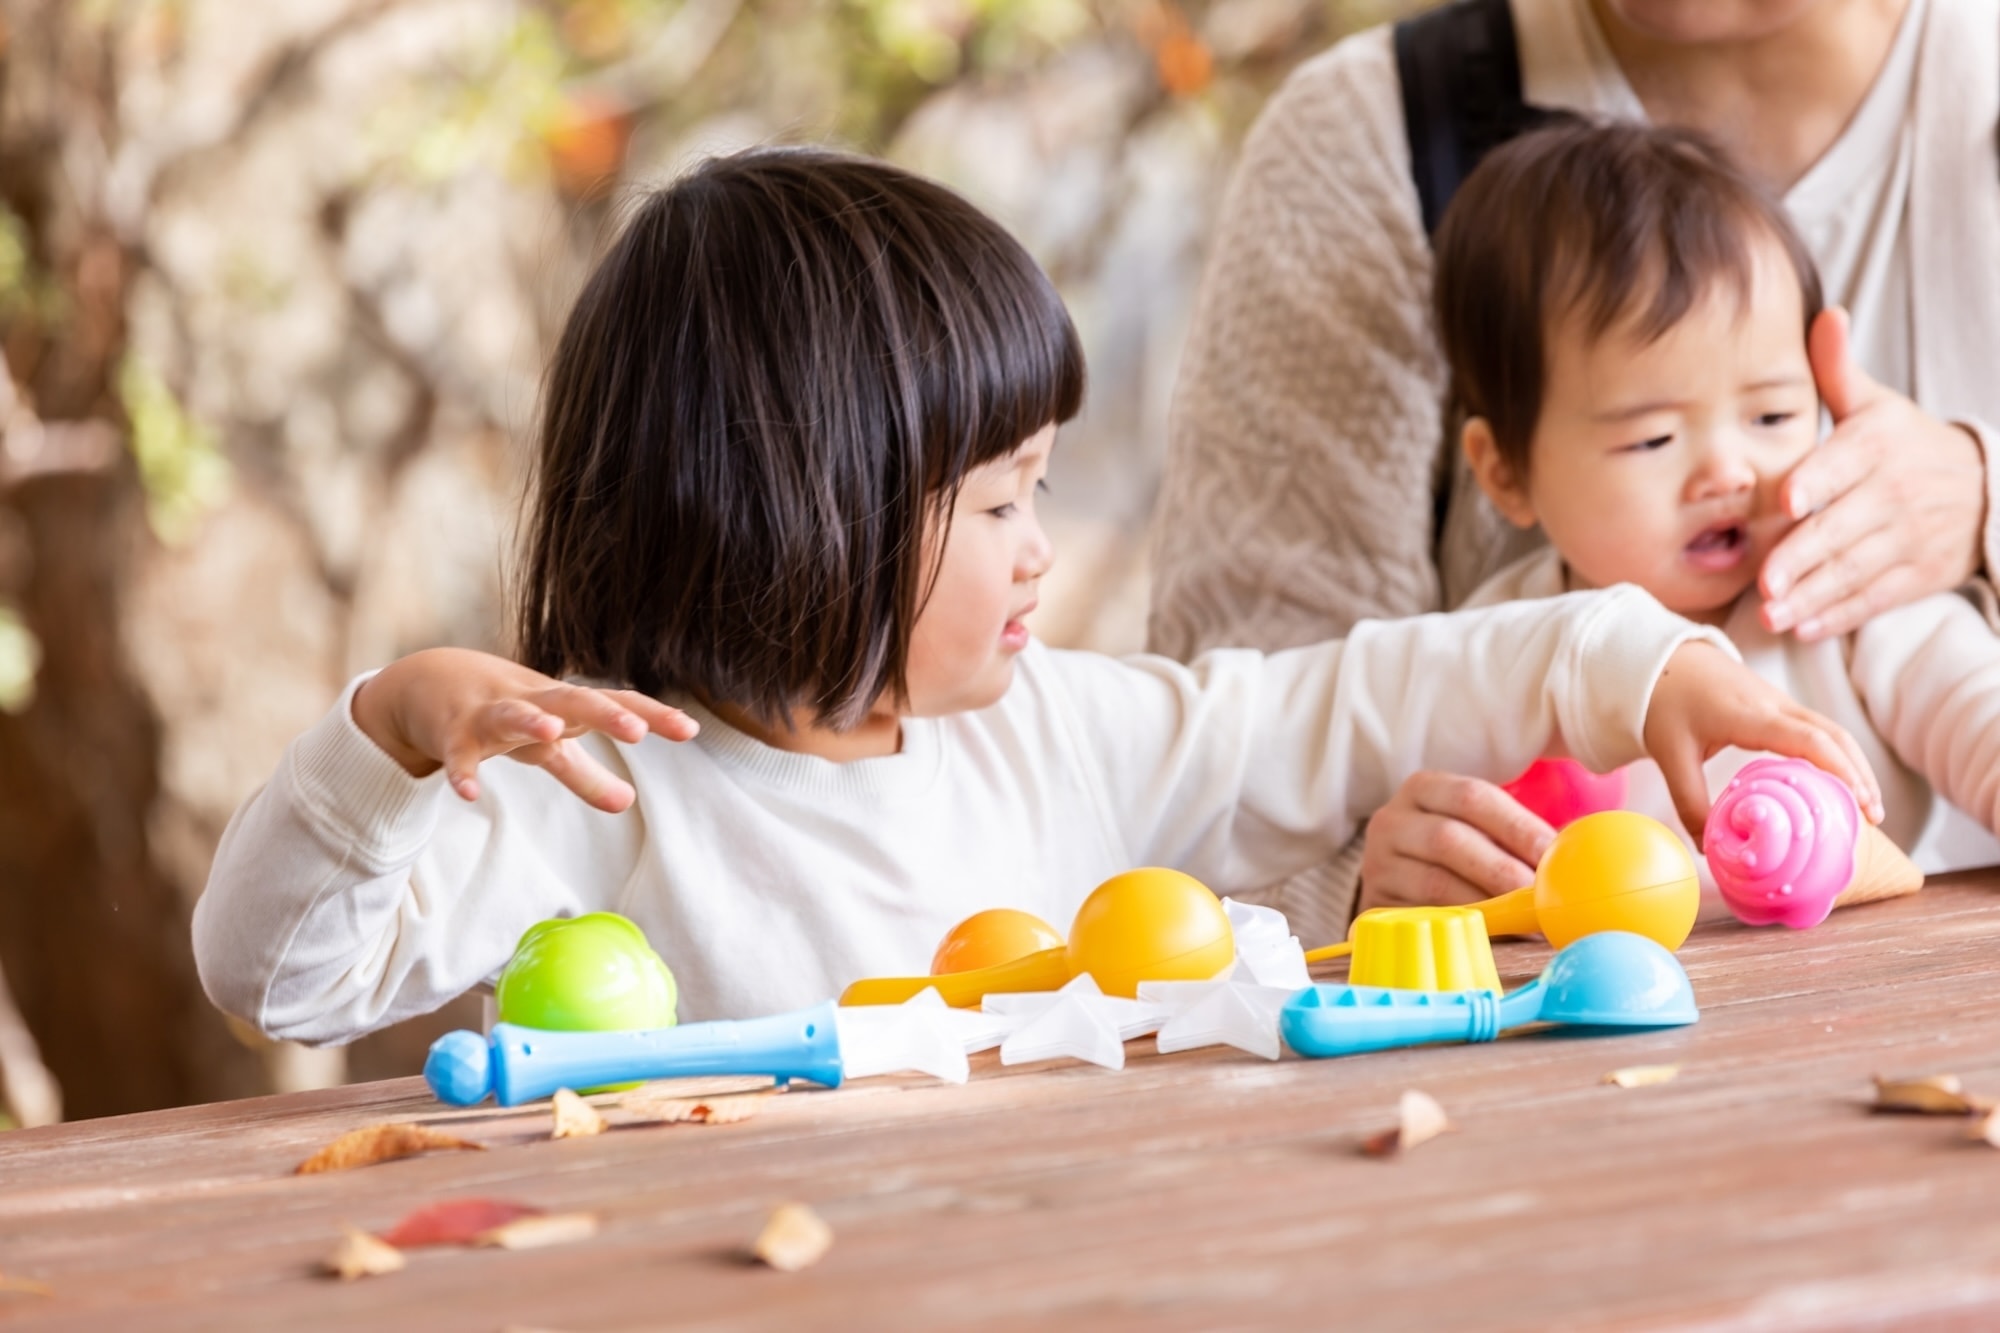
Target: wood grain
x: 1194, y: 1190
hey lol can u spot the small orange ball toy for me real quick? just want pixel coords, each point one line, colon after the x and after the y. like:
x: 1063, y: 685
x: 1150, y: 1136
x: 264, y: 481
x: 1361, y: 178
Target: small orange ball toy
x: 990, y: 938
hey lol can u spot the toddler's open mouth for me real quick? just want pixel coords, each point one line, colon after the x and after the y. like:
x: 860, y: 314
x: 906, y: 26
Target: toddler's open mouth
x: 1719, y: 548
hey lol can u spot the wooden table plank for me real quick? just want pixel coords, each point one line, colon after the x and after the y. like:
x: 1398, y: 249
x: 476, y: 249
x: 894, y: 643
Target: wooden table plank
x: 1191, y: 1190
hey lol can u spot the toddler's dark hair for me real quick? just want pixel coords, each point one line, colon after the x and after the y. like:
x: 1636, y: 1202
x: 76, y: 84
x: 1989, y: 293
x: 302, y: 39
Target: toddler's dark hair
x: 1620, y: 224
x: 784, y: 367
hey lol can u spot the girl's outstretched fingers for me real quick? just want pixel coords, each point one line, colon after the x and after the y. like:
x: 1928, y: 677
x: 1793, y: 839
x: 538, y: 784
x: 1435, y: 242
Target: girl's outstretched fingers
x: 568, y: 764
x: 662, y: 720
x: 501, y: 727
x: 585, y: 709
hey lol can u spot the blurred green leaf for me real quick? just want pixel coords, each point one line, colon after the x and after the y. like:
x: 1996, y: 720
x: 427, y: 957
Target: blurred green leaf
x: 183, y: 473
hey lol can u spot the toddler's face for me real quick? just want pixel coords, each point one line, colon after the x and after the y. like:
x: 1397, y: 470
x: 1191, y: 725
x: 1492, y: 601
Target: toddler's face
x: 971, y: 628
x: 1658, y: 463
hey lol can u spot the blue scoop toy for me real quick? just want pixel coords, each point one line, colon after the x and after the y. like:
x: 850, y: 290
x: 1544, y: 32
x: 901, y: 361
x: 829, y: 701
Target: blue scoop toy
x: 1610, y: 980
x: 518, y: 1064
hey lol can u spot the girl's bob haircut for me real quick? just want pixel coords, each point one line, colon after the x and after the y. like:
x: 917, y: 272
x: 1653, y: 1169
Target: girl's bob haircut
x: 770, y: 388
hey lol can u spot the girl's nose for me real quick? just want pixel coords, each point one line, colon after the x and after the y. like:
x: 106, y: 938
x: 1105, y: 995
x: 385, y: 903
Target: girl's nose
x: 1037, y: 554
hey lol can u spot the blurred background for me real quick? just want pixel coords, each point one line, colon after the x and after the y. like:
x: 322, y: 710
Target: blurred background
x: 277, y: 282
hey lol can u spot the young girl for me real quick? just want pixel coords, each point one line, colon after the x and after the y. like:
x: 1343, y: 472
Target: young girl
x: 785, y: 521
x: 1628, y: 321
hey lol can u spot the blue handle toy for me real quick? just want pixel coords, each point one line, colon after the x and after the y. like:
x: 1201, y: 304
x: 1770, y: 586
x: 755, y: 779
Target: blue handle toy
x: 1614, y: 979
x: 518, y: 1064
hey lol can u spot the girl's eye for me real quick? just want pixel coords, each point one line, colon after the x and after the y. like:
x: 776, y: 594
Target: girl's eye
x: 1771, y: 420
x: 1007, y: 510
x: 1647, y: 446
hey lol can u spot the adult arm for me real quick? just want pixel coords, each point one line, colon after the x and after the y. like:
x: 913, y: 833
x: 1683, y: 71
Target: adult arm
x: 1929, y: 676
x: 347, y: 895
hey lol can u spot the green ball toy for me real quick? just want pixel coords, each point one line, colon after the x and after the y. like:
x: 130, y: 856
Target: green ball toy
x: 593, y: 973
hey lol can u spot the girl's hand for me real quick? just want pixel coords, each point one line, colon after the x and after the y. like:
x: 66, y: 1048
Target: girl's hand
x: 1445, y: 839
x: 1892, y: 504
x: 455, y: 708
x: 1705, y: 701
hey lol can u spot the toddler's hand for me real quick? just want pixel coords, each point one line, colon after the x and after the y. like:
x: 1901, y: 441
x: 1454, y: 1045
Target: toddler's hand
x: 1445, y: 839
x: 455, y: 708
x: 1705, y: 702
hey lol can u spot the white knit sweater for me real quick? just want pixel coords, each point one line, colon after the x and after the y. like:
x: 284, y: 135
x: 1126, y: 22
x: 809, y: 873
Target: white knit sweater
x: 1309, y: 445
x: 347, y: 895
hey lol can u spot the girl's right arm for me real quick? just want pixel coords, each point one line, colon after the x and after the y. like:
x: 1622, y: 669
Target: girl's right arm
x: 1243, y: 768
x: 353, y: 890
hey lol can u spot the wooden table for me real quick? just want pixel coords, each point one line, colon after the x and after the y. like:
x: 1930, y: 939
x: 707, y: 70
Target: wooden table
x: 1201, y: 1189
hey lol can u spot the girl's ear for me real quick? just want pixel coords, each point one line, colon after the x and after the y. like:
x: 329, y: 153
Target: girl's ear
x: 1495, y: 475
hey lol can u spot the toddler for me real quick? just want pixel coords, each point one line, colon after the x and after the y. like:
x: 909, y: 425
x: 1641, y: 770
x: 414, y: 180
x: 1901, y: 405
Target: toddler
x: 777, y: 701
x: 1627, y: 318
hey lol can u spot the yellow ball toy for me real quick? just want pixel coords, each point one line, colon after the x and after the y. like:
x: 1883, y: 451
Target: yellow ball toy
x: 1150, y: 925
x: 1616, y: 870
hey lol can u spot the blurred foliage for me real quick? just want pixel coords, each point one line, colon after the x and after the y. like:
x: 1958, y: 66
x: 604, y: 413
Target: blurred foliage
x: 26, y: 290
x: 560, y: 87
x: 183, y: 473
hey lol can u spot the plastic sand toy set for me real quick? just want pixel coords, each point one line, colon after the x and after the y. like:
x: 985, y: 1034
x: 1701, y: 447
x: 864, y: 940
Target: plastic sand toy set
x: 587, y: 1003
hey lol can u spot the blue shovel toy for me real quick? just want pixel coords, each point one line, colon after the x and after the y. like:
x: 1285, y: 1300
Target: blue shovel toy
x: 518, y: 1064
x: 1610, y: 980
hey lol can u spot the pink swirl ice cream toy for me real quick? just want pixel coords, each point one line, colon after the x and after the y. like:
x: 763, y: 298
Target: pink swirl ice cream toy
x: 1786, y: 844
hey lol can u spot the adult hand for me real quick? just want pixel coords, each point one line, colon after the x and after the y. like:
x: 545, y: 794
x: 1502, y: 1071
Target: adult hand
x: 455, y: 708
x: 1892, y: 503
x: 1446, y: 839
x: 1706, y: 701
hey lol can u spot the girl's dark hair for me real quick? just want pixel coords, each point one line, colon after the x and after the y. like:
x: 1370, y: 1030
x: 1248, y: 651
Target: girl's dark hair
x: 782, y: 370
x: 1618, y: 224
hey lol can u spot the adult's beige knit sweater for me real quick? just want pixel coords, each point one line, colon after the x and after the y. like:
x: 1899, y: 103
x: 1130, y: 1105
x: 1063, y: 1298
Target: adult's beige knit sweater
x: 1310, y: 482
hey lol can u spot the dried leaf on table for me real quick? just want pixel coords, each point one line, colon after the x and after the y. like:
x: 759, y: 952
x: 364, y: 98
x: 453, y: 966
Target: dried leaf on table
x: 575, y: 1117
x: 532, y: 1233
x: 695, y: 1110
x: 24, y: 1286
x: 1642, y: 1076
x: 1419, y: 1120
x: 382, y: 1143
x: 795, y: 1237
x: 362, y: 1255
x: 1940, y: 1094
x: 456, y: 1222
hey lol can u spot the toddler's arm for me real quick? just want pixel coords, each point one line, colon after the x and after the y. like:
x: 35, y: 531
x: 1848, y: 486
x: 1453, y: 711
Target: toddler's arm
x: 352, y: 891
x: 1243, y: 769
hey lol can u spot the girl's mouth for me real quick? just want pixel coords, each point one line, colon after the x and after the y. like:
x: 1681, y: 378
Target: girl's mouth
x: 1720, y: 548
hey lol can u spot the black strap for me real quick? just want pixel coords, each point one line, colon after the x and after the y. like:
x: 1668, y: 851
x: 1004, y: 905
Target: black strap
x: 1461, y: 73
